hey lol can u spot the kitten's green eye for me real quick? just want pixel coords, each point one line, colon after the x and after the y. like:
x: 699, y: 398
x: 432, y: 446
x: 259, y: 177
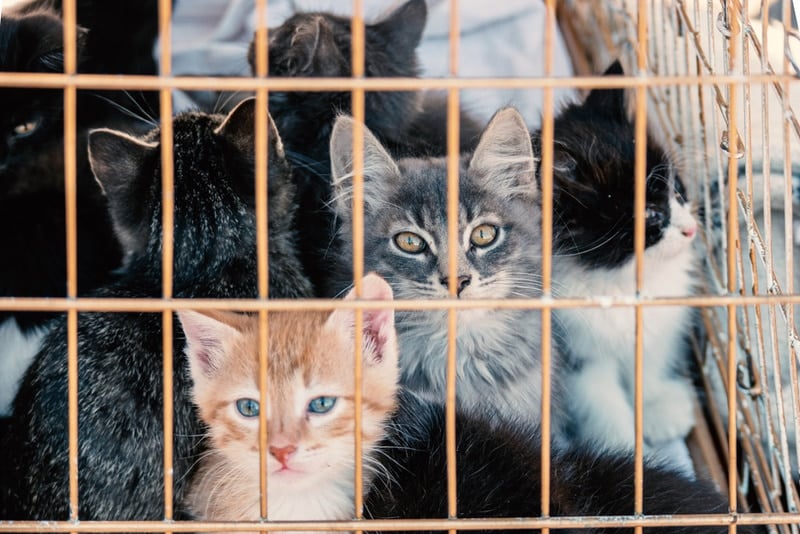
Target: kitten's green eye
x: 247, y: 407
x: 483, y: 235
x: 321, y: 404
x: 26, y: 128
x: 410, y: 242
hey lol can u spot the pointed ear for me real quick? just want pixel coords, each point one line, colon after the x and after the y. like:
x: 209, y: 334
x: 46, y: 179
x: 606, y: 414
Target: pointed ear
x: 379, y: 335
x: 314, y: 51
x: 403, y: 27
x: 208, y: 336
x: 239, y: 130
x: 380, y: 170
x: 609, y: 102
x: 504, y: 159
x: 239, y: 127
x: 119, y: 163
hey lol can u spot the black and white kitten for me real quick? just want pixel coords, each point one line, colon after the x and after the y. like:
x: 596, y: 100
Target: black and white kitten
x: 498, y: 255
x: 120, y: 354
x: 317, y: 44
x: 32, y: 201
x: 498, y: 475
x: 593, y: 241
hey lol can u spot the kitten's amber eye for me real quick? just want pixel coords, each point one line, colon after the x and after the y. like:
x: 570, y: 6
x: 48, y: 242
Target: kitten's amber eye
x: 410, y: 242
x: 26, y: 128
x: 247, y: 407
x: 483, y: 235
x: 321, y: 404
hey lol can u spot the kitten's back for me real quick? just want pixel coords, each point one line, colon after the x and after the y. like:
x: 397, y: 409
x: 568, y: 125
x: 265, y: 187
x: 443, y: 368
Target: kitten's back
x: 498, y: 475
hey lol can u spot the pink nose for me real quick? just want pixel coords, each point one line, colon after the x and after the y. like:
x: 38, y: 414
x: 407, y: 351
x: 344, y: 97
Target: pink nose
x: 689, y: 231
x: 282, y: 454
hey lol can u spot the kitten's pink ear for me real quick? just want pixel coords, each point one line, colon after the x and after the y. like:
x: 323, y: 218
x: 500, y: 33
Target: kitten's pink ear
x: 379, y: 334
x: 206, y: 340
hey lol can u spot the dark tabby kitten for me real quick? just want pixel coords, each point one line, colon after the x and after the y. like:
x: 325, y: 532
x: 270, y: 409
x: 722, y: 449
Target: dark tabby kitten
x: 318, y: 44
x: 120, y: 354
x: 32, y: 205
x: 593, y: 202
x: 498, y: 475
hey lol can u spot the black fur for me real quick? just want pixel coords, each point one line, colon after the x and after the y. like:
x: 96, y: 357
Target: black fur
x: 593, y: 192
x: 120, y: 354
x: 121, y: 35
x: 32, y: 204
x: 408, y: 123
x: 499, y: 476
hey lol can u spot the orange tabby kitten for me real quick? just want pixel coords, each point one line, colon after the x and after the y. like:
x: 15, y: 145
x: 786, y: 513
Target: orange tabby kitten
x: 310, y: 427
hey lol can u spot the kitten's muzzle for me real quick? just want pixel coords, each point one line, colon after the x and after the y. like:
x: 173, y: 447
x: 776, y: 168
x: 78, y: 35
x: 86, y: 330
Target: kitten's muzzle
x: 462, y: 282
x: 282, y: 454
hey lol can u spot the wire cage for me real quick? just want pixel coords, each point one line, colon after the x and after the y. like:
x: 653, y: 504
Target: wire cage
x: 716, y: 81
x: 750, y: 248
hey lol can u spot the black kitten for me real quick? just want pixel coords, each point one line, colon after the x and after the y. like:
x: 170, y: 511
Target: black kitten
x: 32, y: 146
x: 593, y: 206
x: 120, y: 354
x: 32, y: 202
x: 406, y: 122
x: 499, y: 475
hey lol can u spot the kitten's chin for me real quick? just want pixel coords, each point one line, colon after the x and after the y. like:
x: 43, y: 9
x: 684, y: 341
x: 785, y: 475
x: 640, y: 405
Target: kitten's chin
x: 476, y: 318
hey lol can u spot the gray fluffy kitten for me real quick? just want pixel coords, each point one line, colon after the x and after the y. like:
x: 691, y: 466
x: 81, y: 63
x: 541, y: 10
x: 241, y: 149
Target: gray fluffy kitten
x: 499, y: 256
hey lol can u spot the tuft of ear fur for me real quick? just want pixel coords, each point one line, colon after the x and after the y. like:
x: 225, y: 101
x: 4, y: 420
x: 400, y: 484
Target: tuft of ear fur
x: 403, y: 27
x: 504, y: 159
x: 208, y: 336
x: 118, y: 161
x: 609, y: 102
x: 379, y: 335
x: 380, y: 170
x: 314, y: 50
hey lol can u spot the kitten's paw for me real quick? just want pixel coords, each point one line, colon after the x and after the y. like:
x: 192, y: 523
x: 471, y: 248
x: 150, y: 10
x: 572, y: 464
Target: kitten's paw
x: 669, y: 416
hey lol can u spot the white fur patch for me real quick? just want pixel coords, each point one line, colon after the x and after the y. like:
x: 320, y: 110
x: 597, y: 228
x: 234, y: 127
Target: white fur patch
x: 16, y: 354
x: 601, y: 393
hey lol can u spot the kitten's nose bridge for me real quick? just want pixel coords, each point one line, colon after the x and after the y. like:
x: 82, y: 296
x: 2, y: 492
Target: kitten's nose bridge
x: 282, y: 454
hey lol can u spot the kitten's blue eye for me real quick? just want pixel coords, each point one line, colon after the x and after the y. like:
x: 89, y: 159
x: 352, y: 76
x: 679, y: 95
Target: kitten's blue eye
x: 484, y: 235
x: 410, y: 242
x: 26, y: 128
x: 247, y: 407
x: 321, y: 404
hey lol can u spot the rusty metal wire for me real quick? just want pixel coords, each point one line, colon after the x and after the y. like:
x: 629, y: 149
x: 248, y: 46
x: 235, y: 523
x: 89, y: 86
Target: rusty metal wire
x: 740, y: 142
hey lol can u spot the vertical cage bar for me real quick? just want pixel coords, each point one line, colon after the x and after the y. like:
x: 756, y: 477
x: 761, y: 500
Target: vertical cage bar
x: 167, y: 200
x: 452, y: 274
x: 730, y: 14
x: 358, y: 52
x: 789, y: 242
x: 640, y: 168
x: 70, y: 191
x: 262, y: 243
x: 547, y: 254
